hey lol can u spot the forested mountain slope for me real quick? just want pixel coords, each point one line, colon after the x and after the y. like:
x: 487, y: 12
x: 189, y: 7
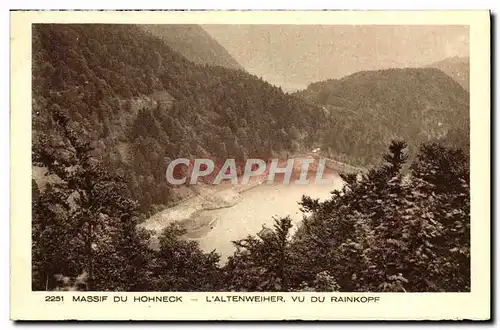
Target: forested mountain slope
x: 112, y: 104
x: 368, y: 109
x: 194, y: 43
x: 455, y: 67
x: 142, y: 104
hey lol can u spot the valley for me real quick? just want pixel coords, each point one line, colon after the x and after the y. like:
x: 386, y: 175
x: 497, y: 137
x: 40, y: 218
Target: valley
x: 223, y: 213
x: 115, y: 104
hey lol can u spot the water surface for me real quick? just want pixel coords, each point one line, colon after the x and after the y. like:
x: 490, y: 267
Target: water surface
x: 257, y: 208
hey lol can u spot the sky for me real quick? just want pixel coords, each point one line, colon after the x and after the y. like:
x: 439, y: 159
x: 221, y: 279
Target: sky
x: 293, y: 56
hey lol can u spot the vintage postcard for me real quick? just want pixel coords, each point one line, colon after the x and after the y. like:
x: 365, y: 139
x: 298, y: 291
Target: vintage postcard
x: 246, y: 165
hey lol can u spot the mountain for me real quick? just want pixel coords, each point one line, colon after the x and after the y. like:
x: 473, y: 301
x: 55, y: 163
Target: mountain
x: 194, y: 43
x: 294, y: 55
x: 141, y: 104
x: 112, y: 105
x: 455, y: 67
x: 369, y: 108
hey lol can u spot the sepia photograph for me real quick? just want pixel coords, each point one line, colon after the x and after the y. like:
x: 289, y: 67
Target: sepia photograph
x: 115, y: 105
x: 238, y: 158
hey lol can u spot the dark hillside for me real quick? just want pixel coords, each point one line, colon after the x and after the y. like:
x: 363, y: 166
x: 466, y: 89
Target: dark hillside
x: 368, y: 109
x: 141, y: 104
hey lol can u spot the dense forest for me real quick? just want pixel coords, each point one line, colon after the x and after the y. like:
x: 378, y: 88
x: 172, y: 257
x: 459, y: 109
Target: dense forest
x: 113, y: 104
x: 368, y: 109
x: 143, y: 104
x: 384, y: 231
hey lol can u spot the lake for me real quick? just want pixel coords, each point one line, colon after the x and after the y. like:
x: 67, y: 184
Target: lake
x: 257, y: 208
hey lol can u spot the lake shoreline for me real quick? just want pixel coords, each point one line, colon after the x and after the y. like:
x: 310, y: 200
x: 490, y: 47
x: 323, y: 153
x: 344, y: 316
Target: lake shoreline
x: 198, y: 214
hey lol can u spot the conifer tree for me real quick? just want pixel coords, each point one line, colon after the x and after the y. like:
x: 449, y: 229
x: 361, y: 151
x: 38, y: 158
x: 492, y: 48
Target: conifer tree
x: 90, y: 209
x: 261, y: 263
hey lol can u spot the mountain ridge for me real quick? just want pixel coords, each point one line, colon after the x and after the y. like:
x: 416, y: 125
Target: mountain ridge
x: 456, y: 67
x: 194, y: 43
x: 142, y: 104
x: 369, y: 108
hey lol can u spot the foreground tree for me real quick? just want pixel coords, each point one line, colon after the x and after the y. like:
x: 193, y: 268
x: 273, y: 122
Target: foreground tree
x: 180, y: 265
x: 261, y: 263
x: 84, y: 216
x: 441, y: 176
x: 388, y: 230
